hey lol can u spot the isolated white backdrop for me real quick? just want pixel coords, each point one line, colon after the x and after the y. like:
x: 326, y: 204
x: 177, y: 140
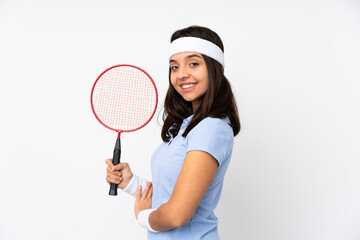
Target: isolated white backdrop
x: 293, y: 65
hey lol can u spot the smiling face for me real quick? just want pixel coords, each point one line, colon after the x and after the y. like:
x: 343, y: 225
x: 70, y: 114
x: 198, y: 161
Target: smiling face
x: 189, y: 76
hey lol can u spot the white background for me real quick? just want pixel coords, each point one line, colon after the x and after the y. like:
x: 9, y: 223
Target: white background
x: 294, y: 67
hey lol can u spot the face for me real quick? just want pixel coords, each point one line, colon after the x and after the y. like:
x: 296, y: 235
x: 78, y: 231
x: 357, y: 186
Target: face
x: 189, y: 76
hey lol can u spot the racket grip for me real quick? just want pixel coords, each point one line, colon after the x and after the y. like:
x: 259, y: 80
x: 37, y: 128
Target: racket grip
x: 116, y: 161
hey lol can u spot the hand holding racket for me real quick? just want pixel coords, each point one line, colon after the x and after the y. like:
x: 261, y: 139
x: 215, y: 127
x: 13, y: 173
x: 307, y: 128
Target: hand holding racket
x: 124, y: 99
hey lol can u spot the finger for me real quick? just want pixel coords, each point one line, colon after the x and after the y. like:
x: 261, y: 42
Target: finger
x: 110, y: 171
x: 146, y: 190
x: 112, y: 175
x: 109, y: 162
x: 111, y: 180
x: 114, y: 179
x: 138, y: 193
x: 150, y: 192
x: 120, y: 166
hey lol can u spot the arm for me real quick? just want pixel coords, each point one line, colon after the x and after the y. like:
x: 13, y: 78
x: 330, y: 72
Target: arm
x: 196, y: 175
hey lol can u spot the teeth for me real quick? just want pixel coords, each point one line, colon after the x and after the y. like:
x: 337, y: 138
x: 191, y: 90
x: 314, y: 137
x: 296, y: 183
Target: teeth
x: 187, y: 86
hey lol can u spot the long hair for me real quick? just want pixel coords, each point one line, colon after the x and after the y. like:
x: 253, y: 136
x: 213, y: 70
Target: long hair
x: 217, y: 102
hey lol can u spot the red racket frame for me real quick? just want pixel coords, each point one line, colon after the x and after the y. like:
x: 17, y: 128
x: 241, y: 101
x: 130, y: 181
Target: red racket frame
x: 119, y: 131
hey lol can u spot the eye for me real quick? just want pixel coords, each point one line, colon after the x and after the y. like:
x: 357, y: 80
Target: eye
x: 173, y: 68
x: 194, y: 64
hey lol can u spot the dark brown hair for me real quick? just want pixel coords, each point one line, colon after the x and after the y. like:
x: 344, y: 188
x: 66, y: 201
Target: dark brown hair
x: 217, y: 102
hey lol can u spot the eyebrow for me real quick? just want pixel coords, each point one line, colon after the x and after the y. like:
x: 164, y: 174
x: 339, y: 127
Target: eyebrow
x: 190, y: 56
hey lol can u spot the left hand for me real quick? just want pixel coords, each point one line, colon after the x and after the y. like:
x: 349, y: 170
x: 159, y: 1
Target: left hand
x: 143, y: 201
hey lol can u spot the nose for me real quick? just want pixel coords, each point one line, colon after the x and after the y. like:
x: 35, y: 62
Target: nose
x: 183, y: 73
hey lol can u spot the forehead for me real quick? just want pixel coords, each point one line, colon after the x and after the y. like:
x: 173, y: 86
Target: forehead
x: 184, y: 56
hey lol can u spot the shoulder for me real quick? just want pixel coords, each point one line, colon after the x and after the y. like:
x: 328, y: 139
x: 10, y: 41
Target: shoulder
x: 213, y: 126
x: 212, y: 135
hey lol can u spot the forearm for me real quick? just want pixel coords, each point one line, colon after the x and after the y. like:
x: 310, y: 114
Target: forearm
x: 168, y: 217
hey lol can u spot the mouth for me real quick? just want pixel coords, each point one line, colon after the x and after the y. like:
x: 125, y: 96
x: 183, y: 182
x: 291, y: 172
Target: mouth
x: 188, y: 85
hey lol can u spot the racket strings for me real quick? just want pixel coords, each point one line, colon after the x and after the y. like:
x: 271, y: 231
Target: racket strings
x: 124, y: 98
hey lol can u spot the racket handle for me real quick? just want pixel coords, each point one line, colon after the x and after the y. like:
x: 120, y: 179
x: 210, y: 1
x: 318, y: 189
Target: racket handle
x: 116, y: 161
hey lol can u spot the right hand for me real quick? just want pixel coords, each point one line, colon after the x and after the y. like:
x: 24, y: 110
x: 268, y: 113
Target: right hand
x: 120, y: 174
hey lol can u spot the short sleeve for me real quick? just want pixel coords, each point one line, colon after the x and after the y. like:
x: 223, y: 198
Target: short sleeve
x: 214, y: 136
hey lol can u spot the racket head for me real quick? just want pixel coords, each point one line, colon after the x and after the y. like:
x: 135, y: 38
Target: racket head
x: 124, y: 98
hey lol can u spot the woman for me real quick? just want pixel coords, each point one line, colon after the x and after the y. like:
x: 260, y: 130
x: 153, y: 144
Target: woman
x: 188, y: 168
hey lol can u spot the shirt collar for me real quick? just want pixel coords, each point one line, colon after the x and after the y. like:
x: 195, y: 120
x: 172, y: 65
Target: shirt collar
x: 186, y: 121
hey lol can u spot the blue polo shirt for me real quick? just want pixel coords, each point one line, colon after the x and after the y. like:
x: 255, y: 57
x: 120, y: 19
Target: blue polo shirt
x: 211, y: 135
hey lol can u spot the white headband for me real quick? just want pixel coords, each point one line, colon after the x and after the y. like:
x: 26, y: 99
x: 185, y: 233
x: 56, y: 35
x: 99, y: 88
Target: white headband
x: 193, y: 44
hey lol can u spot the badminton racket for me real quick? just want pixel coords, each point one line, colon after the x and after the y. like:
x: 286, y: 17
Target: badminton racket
x: 123, y: 99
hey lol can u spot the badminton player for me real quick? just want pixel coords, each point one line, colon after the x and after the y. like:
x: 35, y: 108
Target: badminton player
x: 188, y: 168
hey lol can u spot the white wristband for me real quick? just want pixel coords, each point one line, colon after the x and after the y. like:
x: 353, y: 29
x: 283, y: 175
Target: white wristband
x: 132, y: 186
x: 143, y: 219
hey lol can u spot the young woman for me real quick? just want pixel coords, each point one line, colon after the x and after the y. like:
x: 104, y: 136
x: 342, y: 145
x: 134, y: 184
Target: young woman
x: 188, y: 168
